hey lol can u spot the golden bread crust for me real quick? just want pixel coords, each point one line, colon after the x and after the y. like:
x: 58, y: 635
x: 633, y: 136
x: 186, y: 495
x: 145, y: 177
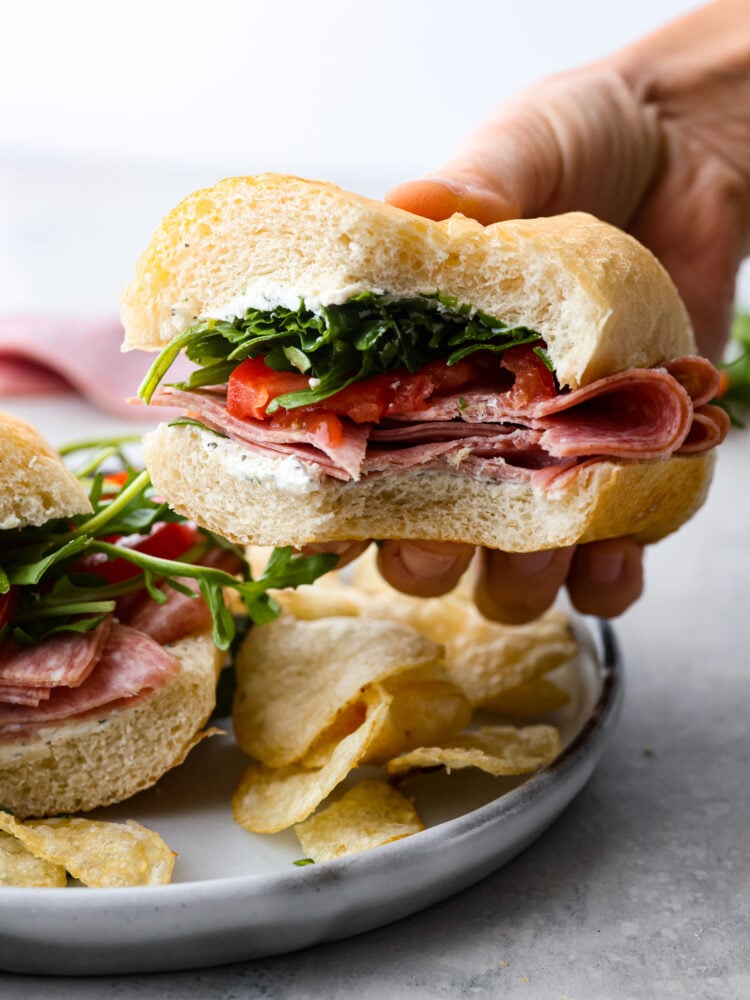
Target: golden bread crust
x: 36, y: 485
x: 601, y: 301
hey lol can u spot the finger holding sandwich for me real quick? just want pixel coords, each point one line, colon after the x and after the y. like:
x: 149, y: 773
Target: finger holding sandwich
x: 602, y: 578
x: 363, y: 372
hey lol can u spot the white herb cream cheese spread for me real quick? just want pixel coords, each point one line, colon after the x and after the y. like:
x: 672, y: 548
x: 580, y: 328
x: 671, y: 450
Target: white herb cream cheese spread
x: 289, y: 474
x: 267, y: 295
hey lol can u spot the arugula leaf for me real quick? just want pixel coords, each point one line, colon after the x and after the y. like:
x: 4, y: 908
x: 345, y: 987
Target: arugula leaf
x: 367, y: 335
x: 55, y: 595
x: 192, y: 422
x: 32, y: 572
x: 736, y: 394
x: 35, y: 633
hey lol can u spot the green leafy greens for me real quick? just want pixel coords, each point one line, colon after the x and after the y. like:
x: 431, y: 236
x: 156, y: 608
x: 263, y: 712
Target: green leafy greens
x: 370, y: 334
x: 737, y: 394
x: 53, y: 595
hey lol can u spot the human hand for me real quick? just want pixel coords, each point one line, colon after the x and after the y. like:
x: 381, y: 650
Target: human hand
x: 655, y: 140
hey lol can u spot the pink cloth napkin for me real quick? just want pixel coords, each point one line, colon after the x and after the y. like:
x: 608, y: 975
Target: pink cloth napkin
x: 45, y: 355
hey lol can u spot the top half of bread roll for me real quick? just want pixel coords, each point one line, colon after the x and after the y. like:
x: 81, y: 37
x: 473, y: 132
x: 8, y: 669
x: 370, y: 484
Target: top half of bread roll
x: 35, y: 485
x: 601, y: 301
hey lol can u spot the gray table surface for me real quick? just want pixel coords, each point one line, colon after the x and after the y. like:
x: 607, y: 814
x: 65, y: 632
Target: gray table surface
x: 642, y: 888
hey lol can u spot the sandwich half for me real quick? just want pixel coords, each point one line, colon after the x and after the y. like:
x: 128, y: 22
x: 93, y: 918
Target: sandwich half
x: 111, y: 612
x: 362, y: 372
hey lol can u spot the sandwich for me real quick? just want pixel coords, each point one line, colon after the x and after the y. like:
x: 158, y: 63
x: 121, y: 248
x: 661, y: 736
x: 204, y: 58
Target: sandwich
x: 361, y: 372
x: 112, y: 625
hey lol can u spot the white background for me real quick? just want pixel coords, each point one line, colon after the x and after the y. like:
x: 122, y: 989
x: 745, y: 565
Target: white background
x: 111, y: 112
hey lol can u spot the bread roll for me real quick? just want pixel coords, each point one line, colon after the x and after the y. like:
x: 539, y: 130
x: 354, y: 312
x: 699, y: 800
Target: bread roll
x: 77, y: 765
x: 35, y: 485
x: 111, y: 756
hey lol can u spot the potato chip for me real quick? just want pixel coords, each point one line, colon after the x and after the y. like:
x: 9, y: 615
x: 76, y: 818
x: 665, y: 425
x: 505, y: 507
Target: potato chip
x: 310, y: 601
x: 535, y: 697
x: 421, y: 713
x: 348, y: 719
x: 498, y: 750
x: 96, y: 853
x: 295, y: 677
x: 18, y: 866
x: 370, y: 814
x: 271, y: 799
x: 483, y: 657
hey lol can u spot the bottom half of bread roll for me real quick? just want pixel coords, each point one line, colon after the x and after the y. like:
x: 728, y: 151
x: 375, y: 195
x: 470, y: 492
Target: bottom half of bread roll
x: 255, y: 499
x: 106, y: 756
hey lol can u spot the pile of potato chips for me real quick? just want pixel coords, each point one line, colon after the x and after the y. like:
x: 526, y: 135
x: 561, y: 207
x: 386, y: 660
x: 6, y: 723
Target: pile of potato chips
x: 355, y: 674
x: 43, y: 852
x: 351, y: 674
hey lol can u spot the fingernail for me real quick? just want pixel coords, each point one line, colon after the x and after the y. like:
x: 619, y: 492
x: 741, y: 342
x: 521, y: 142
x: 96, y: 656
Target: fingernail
x: 422, y: 563
x: 606, y: 567
x: 531, y: 563
x: 457, y: 187
x: 477, y: 202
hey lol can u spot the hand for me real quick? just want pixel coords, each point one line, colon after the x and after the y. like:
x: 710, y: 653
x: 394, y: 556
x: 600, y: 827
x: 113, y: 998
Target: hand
x: 657, y: 141
x: 603, y: 578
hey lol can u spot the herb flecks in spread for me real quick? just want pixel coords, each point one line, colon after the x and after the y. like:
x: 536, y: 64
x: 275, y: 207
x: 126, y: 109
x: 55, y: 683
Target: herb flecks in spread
x: 66, y: 575
x: 371, y: 334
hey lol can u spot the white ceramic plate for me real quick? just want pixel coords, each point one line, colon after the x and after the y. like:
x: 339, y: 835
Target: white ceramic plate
x: 238, y: 896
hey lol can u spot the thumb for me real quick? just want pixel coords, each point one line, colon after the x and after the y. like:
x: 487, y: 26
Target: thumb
x: 577, y: 141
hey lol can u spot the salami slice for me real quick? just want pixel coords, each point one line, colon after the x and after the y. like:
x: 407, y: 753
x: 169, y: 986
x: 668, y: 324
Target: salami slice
x: 168, y: 622
x: 518, y: 444
x: 23, y: 696
x: 697, y: 376
x: 62, y: 660
x: 343, y: 461
x: 709, y: 428
x: 132, y: 667
x: 643, y: 413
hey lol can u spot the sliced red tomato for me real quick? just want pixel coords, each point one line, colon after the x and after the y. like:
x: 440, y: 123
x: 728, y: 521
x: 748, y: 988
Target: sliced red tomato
x: 398, y: 392
x: 252, y: 386
x: 116, y: 478
x: 412, y: 392
x: 364, y: 402
x: 8, y: 602
x: 166, y: 541
x: 533, y: 380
